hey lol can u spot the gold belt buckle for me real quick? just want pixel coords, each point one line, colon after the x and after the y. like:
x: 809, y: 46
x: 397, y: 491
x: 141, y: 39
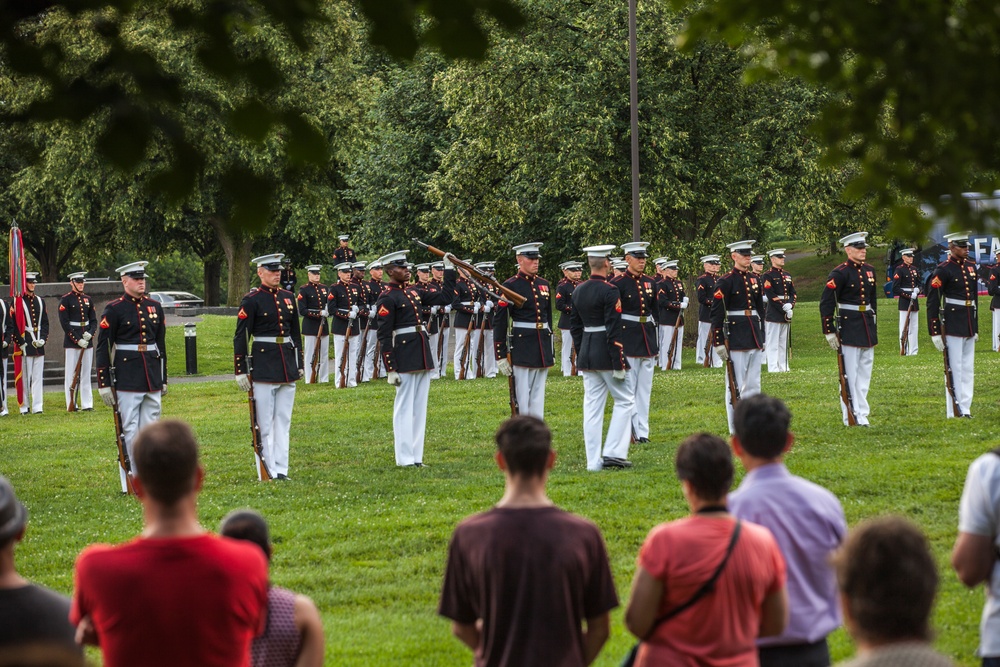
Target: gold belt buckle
x: 862, y: 308
x: 968, y: 303
x: 748, y: 312
x: 280, y: 340
x: 141, y: 347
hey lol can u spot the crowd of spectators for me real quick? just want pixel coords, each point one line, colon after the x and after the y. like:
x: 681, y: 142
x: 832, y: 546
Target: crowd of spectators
x: 757, y: 576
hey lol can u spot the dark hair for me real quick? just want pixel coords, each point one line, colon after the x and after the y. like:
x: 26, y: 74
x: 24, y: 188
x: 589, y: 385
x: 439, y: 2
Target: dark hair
x: 887, y: 574
x: 525, y: 443
x: 596, y: 263
x: 247, y: 525
x: 166, y: 460
x: 704, y: 461
x: 761, y: 423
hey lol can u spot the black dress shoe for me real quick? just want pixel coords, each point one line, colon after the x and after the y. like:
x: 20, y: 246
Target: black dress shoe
x: 611, y: 462
x: 643, y: 440
x: 282, y: 477
x: 966, y: 416
x: 88, y: 409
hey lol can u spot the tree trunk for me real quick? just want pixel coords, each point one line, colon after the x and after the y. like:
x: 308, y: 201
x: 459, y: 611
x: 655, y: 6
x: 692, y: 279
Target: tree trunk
x: 238, y: 249
x: 212, y: 280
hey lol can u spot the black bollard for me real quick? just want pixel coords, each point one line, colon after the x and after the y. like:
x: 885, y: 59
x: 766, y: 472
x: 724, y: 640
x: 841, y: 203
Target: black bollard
x: 191, y: 348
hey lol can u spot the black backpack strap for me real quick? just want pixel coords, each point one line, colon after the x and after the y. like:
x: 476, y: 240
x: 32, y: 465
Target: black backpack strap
x: 706, y: 588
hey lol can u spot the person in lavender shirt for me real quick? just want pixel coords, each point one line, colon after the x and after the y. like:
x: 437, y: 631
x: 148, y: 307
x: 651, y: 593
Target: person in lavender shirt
x: 807, y: 521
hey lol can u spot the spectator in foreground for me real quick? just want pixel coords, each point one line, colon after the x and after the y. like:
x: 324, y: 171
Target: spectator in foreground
x: 747, y: 599
x: 888, y: 580
x: 31, y: 616
x: 975, y: 557
x: 294, y: 633
x: 524, y: 578
x: 176, y: 595
x: 806, y: 520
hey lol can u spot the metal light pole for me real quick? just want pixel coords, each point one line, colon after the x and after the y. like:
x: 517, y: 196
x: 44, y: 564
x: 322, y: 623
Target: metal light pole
x: 633, y: 70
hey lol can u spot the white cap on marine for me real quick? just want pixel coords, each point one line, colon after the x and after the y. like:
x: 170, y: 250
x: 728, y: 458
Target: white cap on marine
x: 855, y: 240
x: 711, y: 259
x: 599, y: 250
x: 314, y: 268
x: 397, y: 258
x: 777, y: 252
x: 957, y: 237
x: 636, y: 249
x: 529, y: 250
x: 132, y: 270
x: 79, y: 275
x: 907, y: 251
x: 671, y: 264
x: 742, y: 247
x: 345, y: 266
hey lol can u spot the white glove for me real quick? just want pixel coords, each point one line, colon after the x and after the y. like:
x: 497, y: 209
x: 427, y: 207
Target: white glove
x: 163, y: 391
x: 787, y: 307
x: 83, y: 343
x: 938, y: 343
x: 618, y: 375
x: 302, y: 373
x: 435, y: 309
x: 684, y: 302
x: 476, y: 307
x: 915, y: 292
x: 722, y: 352
x: 354, y: 312
x: 87, y: 335
x: 831, y: 338
x: 324, y: 313
x: 107, y: 396
x: 38, y: 342
x: 488, y: 306
x: 765, y: 298
x: 447, y: 309
x: 503, y: 367
x: 394, y: 379
x: 5, y: 345
x: 975, y: 337
x: 243, y: 382
x: 447, y: 261
x: 788, y: 315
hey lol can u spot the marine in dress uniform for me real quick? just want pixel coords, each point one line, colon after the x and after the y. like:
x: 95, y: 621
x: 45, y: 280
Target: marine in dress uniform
x: 705, y: 288
x: 993, y: 287
x: 847, y: 308
x: 131, y: 356
x: 736, y: 323
x: 405, y: 349
x: 671, y: 302
x: 373, y: 361
x: 572, y: 272
x: 36, y: 333
x: 953, y: 319
x: 466, y: 305
x: 272, y: 362
x: 366, y: 322
x: 312, y: 302
x: 639, y: 333
x: 429, y: 313
x: 757, y: 267
x: 486, y: 339
x: 530, y: 332
x: 6, y: 345
x: 779, y: 297
x: 444, y: 324
x: 347, y: 304
x: 288, y: 277
x: 595, y: 323
x: 344, y: 252
x: 79, y: 322
x: 906, y: 286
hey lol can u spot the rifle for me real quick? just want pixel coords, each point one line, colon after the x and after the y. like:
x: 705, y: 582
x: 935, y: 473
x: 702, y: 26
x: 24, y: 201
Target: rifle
x: 673, y: 340
x: 314, y: 373
x: 364, y: 346
x: 515, y: 409
x: 465, y: 350
x: 734, y: 387
x: 708, y: 350
x: 344, y: 352
x: 949, y: 378
x: 263, y: 474
x: 480, y: 352
x: 442, y: 332
x: 124, y: 464
x: 75, y: 386
x: 904, y: 338
x: 509, y: 294
x: 572, y: 360
x: 845, y: 389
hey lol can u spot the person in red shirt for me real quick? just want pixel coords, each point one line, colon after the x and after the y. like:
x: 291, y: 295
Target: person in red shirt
x: 176, y: 595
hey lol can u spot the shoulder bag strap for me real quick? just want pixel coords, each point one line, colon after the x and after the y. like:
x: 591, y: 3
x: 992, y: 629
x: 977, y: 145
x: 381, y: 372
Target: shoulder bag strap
x: 706, y: 588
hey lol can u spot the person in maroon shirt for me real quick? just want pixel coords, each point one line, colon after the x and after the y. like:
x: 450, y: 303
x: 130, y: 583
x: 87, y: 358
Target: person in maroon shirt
x: 524, y: 578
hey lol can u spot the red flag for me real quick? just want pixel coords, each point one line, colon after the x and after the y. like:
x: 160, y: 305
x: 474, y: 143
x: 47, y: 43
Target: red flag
x: 18, y: 274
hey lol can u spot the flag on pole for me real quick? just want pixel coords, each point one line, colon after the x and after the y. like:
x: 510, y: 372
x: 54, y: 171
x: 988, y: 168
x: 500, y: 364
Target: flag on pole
x: 18, y: 272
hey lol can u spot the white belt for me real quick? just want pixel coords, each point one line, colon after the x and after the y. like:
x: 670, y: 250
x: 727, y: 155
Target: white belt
x: 641, y: 319
x: 406, y: 330
x: 595, y: 329
x: 146, y: 347
x: 465, y: 303
x: 280, y: 340
x: 960, y: 302
x: 531, y: 325
x: 850, y: 306
x: 743, y: 313
x: 79, y: 324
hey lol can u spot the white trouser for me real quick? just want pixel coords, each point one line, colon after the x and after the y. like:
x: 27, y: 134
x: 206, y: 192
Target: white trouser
x: 666, y: 335
x: 962, y: 355
x: 461, y: 340
x: 639, y: 383
x: 323, y: 367
x: 776, y: 346
x: 704, y: 329
x: 858, y: 365
x: 746, y: 368
x: 409, y: 417
x: 4, y: 389
x: 995, y: 344
x: 529, y: 386
x: 432, y: 340
x: 368, y: 372
x: 353, y: 350
x: 566, y: 358
x: 911, y: 338
x: 274, y: 416
x: 86, y: 393
x: 32, y: 371
x: 596, y: 387
x: 489, y: 355
x: 442, y: 359
x: 137, y: 409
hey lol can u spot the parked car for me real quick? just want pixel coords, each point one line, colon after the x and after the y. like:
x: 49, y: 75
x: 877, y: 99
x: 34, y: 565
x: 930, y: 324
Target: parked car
x: 172, y: 300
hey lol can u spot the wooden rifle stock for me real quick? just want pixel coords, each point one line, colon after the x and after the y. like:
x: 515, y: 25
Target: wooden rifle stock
x: 123, y: 461
x: 678, y: 323
x: 515, y: 409
x: 74, y: 388
x: 734, y: 387
x: 342, y: 384
x: 509, y: 294
x: 904, y: 338
x: 263, y: 474
x: 708, y: 349
x: 441, y: 337
x: 314, y: 373
x: 572, y: 359
x: 949, y: 377
x: 468, y: 344
x: 480, y: 352
x: 363, y: 350
x: 845, y: 388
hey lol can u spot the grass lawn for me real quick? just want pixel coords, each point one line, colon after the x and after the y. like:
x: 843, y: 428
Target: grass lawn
x: 367, y: 541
